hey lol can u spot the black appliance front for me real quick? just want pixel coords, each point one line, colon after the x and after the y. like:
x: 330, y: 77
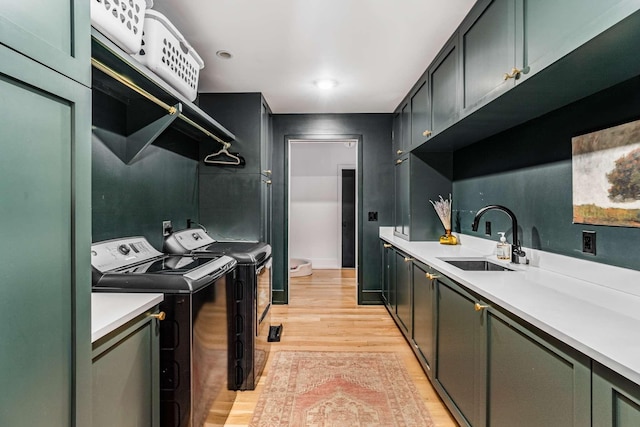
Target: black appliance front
x: 251, y: 331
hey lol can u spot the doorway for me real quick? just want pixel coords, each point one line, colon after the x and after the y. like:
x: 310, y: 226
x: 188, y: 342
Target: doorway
x: 323, y: 203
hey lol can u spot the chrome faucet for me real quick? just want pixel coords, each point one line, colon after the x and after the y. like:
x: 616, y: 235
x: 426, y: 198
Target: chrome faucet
x: 516, y: 249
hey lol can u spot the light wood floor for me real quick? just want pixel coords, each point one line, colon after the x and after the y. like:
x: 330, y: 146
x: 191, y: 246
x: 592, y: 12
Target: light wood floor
x: 322, y: 315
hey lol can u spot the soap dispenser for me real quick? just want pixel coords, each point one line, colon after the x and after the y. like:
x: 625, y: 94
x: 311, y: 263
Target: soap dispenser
x: 504, y: 249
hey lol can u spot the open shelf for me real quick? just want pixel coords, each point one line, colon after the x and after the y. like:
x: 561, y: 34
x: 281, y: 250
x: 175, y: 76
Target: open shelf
x: 140, y: 109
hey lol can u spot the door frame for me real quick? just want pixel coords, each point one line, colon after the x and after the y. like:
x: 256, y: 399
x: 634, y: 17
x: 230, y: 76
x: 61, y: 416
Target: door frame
x: 321, y: 138
x: 342, y: 167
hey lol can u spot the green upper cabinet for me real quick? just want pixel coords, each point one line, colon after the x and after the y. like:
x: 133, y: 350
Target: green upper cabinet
x: 547, y: 30
x: 443, y: 85
x: 396, y: 135
x: 487, y: 38
x: 420, y: 113
x: 55, y: 33
x: 405, y: 128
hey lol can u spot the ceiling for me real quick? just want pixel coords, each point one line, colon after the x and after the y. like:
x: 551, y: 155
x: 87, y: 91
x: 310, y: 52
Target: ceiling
x: 374, y: 49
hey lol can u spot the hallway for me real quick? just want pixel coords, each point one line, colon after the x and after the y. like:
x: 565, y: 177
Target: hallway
x: 322, y: 315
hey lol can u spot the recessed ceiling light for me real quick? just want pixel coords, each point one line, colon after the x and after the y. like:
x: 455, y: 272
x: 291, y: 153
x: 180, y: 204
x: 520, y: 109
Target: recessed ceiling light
x: 326, y: 83
x: 224, y: 54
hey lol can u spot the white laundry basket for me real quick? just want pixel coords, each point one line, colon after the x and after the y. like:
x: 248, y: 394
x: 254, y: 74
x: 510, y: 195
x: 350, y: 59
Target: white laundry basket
x: 165, y: 52
x: 121, y: 21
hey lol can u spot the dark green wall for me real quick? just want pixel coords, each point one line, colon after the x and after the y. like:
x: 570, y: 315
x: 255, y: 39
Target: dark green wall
x: 375, y: 182
x: 528, y: 169
x: 133, y: 200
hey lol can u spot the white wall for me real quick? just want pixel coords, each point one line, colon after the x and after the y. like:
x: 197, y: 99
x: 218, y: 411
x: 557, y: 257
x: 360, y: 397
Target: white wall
x: 314, y: 221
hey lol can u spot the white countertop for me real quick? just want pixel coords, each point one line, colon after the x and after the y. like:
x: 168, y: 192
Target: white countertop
x: 109, y: 311
x: 600, y: 318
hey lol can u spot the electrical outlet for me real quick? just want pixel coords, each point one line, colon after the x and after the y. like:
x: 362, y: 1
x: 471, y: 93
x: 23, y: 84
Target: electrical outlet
x: 589, y: 242
x: 487, y: 228
x: 166, y: 228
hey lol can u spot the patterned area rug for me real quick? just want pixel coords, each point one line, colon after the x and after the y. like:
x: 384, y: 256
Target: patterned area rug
x: 323, y: 389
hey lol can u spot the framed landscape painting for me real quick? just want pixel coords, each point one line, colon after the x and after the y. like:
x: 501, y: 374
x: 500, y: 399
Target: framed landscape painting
x: 606, y: 176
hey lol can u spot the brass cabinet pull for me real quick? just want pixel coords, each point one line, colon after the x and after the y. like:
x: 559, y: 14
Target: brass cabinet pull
x: 399, y: 161
x: 426, y: 133
x: 386, y: 245
x: 407, y: 259
x: 515, y: 74
x: 267, y: 172
x: 267, y: 181
x: 160, y: 316
x: 399, y: 152
x: 479, y: 307
x: 432, y: 276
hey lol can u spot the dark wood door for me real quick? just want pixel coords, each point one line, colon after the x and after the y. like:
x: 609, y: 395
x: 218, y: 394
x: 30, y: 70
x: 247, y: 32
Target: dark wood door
x: 348, y: 218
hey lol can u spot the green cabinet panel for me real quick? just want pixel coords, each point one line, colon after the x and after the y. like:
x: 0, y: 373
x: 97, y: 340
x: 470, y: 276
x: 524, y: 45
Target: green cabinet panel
x: 388, y: 276
x: 458, y: 344
x: 420, y: 114
x: 443, y: 85
x: 548, y: 29
x: 44, y: 194
x: 396, y: 135
x: 532, y: 382
x: 125, y: 375
x: 402, y: 172
x: 54, y: 33
x: 616, y: 400
x: 403, y: 292
x: 487, y: 37
x: 423, y: 313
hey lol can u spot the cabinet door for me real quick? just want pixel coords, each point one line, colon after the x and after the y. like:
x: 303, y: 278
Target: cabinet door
x: 125, y: 374
x: 55, y: 33
x: 616, y: 400
x: 265, y: 209
x: 443, y: 85
x: 405, y: 127
x: 423, y: 314
x: 487, y: 38
x: 45, y: 198
x: 549, y: 29
x: 402, y: 215
x: 397, y: 135
x: 403, y: 291
x: 387, y: 260
x: 420, y: 115
x: 458, y: 359
x: 265, y: 139
x: 532, y: 381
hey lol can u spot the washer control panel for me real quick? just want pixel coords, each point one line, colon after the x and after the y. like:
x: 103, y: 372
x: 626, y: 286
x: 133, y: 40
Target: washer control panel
x: 188, y: 240
x: 113, y: 254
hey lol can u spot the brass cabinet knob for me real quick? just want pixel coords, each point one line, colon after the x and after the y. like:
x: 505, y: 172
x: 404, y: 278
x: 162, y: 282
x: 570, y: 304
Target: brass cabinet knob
x: 160, y: 316
x: 426, y: 133
x: 432, y: 276
x: 387, y: 245
x: 399, y: 161
x: 479, y: 307
x: 399, y: 152
x: 514, y: 74
x: 267, y: 172
x: 407, y: 259
x: 267, y: 181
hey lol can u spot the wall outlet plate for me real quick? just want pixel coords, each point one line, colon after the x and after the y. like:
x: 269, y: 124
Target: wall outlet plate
x: 166, y: 228
x: 589, y: 242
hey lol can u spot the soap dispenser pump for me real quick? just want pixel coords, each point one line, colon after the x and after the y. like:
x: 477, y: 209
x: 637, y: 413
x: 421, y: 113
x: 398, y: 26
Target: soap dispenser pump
x: 503, y: 250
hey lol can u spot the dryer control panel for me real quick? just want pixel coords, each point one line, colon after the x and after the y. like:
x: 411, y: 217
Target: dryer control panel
x: 186, y: 241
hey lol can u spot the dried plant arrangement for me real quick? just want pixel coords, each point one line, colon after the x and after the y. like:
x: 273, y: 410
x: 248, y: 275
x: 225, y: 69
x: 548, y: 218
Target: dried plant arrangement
x: 443, y: 209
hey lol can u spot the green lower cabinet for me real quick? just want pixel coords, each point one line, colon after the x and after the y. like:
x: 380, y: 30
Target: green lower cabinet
x: 423, y: 314
x: 403, y: 292
x: 532, y: 382
x: 388, y: 275
x: 125, y: 375
x: 616, y: 400
x: 458, y: 358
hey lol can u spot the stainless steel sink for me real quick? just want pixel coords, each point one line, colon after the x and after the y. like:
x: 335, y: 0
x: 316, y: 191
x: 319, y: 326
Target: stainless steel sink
x: 478, y: 264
